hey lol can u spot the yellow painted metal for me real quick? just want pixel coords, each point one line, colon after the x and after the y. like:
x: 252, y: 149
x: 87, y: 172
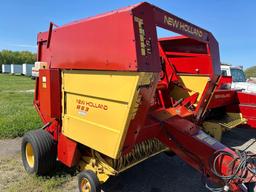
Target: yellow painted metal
x: 195, y: 83
x: 235, y: 119
x: 30, y: 155
x: 100, y: 168
x: 98, y: 107
x: 85, y: 185
x: 216, y: 127
x: 213, y: 128
x: 104, y: 166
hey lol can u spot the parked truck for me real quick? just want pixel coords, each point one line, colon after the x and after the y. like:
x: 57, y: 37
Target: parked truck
x: 239, y: 80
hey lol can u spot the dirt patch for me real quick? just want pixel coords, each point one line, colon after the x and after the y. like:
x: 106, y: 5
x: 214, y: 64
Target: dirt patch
x: 14, y: 178
x: 9, y: 148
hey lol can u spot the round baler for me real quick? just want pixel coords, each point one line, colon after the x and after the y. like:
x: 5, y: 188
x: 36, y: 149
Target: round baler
x: 110, y: 97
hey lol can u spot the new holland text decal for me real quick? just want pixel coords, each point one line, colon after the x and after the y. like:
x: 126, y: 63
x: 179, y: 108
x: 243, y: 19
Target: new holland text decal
x: 83, y: 106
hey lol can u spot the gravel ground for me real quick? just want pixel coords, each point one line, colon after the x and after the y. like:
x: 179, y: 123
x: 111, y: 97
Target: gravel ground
x: 158, y: 174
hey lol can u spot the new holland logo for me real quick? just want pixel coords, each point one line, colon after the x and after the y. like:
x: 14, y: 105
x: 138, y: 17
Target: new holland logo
x: 180, y: 25
x: 84, y: 106
x: 222, y: 96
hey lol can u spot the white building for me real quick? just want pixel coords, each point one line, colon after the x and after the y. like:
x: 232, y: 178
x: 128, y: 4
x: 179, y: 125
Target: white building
x: 27, y: 69
x: 6, y: 68
x: 16, y: 69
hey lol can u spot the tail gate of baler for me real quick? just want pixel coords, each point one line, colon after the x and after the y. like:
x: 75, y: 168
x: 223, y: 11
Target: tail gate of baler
x: 106, y: 104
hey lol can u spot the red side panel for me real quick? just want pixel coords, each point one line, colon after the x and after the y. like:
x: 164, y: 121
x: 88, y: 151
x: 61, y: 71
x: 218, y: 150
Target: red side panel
x: 247, y: 107
x: 48, y: 96
x: 188, y: 55
x: 194, y: 64
x: 67, y: 151
x: 246, y: 98
x: 249, y: 112
x: 222, y: 98
x: 245, y: 104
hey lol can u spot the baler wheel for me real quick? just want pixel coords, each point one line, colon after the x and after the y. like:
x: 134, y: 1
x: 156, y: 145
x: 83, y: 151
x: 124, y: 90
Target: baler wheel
x: 38, y: 152
x: 88, y: 182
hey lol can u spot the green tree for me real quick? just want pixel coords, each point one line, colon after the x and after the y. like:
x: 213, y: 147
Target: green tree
x: 16, y: 57
x: 250, y: 72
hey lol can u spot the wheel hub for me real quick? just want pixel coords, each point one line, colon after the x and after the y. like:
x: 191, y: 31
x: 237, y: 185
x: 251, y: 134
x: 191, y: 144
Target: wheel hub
x: 85, y: 185
x: 30, y: 155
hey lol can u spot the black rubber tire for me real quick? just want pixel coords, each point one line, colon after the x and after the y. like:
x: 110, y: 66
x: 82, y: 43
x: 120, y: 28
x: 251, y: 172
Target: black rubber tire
x: 44, y: 150
x: 92, y: 178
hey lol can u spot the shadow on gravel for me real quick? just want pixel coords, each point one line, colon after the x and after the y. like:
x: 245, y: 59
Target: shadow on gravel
x: 158, y: 174
x: 62, y: 170
x: 238, y: 136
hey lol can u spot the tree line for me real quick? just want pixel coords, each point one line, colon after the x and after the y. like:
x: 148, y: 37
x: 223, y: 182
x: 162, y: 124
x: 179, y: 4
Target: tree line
x: 16, y: 57
x: 20, y: 57
x: 250, y: 72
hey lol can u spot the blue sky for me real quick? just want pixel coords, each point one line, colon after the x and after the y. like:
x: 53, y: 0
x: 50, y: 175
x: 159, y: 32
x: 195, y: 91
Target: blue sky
x: 233, y: 22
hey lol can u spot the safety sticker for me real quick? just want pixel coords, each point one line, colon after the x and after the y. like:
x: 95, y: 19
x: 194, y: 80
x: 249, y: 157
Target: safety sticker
x: 206, y: 138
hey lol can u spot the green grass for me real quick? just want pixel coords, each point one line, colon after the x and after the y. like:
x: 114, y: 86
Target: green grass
x: 17, y: 113
x: 17, y: 116
x: 13, y: 178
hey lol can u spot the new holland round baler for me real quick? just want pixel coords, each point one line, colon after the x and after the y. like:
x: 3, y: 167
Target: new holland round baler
x: 109, y: 98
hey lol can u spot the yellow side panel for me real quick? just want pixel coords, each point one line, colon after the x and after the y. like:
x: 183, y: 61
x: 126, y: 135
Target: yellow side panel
x: 193, y: 82
x: 97, y: 108
x: 107, y: 85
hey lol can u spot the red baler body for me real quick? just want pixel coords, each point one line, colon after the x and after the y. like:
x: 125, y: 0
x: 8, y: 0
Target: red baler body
x: 126, y: 40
